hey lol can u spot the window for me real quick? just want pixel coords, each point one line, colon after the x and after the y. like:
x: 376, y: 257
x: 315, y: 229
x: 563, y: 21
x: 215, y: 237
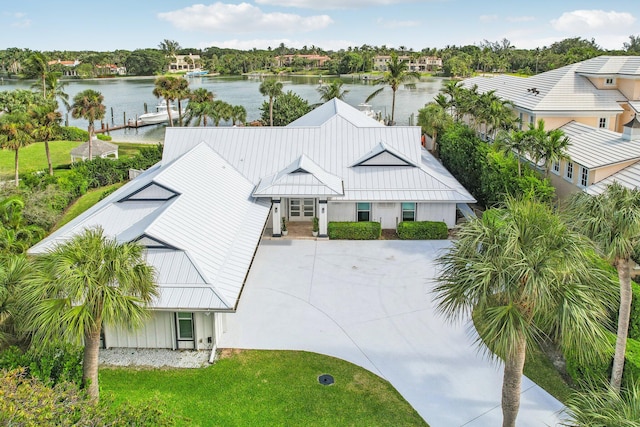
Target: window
x: 602, y: 123
x: 569, y: 172
x: 532, y: 121
x: 609, y: 81
x: 584, y: 176
x: 521, y: 121
x: 363, y: 211
x: 408, y: 211
x: 185, y: 326
x: 556, y: 168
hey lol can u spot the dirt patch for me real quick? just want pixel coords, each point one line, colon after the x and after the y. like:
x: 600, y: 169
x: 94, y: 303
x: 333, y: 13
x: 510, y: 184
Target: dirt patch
x: 389, y: 235
x: 225, y: 353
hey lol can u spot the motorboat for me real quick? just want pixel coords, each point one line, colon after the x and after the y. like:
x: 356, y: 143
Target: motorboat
x: 368, y: 111
x: 197, y: 73
x: 161, y: 115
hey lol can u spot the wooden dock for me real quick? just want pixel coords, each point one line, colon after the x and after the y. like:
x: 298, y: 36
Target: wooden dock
x: 131, y: 124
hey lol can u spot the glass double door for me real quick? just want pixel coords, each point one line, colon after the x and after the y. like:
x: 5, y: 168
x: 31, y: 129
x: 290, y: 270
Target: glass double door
x: 302, y: 209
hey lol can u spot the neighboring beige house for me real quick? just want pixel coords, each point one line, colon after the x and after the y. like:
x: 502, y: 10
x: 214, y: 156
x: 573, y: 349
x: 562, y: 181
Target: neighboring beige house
x: 111, y: 69
x: 314, y: 61
x: 185, y: 63
x: 595, y: 102
x: 68, y: 67
x: 422, y: 63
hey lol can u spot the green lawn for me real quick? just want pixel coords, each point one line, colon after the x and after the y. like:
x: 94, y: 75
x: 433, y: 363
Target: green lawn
x: 265, y: 388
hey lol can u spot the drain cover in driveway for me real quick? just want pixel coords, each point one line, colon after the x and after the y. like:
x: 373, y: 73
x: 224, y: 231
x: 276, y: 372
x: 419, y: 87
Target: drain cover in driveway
x: 325, y: 379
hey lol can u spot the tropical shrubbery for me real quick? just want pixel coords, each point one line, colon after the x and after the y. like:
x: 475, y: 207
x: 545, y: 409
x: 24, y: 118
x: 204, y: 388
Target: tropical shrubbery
x: 422, y: 230
x: 489, y: 174
x: 52, y: 365
x: 354, y: 230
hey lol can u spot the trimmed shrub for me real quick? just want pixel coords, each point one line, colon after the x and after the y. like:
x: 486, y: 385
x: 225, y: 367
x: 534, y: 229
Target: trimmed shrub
x: 422, y: 230
x: 55, y: 364
x: 72, y: 133
x: 103, y: 137
x: 354, y: 230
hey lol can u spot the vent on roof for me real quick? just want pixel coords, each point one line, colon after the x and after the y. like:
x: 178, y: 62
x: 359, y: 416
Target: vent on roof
x: 150, y: 192
x: 152, y: 243
x: 299, y: 170
x: 382, y: 155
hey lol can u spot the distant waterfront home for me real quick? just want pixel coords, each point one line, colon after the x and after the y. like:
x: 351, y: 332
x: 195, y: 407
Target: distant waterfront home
x: 67, y: 68
x: 203, y: 209
x: 185, y: 63
x: 595, y: 102
x: 311, y: 61
x: 420, y: 63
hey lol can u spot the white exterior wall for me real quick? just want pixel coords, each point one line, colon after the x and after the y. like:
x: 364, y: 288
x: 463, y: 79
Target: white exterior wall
x: 345, y: 211
x: 387, y: 214
x: 159, y: 331
x: 445, y: 212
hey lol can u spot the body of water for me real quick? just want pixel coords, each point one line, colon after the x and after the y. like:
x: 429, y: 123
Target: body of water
x: 129, y: 96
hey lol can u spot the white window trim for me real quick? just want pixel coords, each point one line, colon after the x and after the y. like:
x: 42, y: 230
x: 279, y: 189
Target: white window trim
x: 606, y: 123
x: 363, y: 210
x: 566, y: 171
x: 553, y: 168
x: 613, y: 81
x: 414, y: 210
x: 580, y: 177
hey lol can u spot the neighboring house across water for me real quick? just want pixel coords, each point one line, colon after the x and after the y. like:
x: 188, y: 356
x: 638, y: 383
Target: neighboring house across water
x: 185, y: 63
x: 68, y: 68
x: 202, y: 210
x: 111, y: 69
x: 595, y: 102
x: 420, y: 64
x: 310, y: 61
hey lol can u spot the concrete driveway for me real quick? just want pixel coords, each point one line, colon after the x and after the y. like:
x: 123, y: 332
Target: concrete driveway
x: 370, y: 303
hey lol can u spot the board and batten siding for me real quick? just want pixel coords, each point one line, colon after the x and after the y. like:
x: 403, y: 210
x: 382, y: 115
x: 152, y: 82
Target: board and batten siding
x: 159, y: 331
x: 390, y: 213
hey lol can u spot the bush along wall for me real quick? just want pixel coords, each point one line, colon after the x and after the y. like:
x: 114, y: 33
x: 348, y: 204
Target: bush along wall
x: 422, y: 230
x: 354, y: 230
x: 598, y: 372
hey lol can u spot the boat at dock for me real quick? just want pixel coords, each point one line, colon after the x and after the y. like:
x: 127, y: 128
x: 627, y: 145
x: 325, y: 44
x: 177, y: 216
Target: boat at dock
x: 161, y: 115
x: 197, y: 73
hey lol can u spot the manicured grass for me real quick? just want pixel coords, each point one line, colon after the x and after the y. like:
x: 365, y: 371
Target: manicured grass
x: 264, y: 388
x: 128, y: 149
x: 539, y: 369
x: 33, y: 157
x: 84, y: 202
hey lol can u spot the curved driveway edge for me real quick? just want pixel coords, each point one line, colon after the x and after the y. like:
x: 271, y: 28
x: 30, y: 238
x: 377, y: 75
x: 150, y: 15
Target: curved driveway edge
x: 370, y: 303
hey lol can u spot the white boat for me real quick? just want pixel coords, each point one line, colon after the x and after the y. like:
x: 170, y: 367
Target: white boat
x: 368, y: 111
x: 197, y: 73
x: 160, y: 115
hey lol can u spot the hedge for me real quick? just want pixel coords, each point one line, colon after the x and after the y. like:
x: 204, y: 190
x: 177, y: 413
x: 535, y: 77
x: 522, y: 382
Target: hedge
x: 422, y: 230
x: 634, y: 323
x: 599, y: 371
x: 354, y: 230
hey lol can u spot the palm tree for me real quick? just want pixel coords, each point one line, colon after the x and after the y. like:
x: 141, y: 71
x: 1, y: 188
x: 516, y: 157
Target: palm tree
x: 15, y: 133
x: 182, y: 92
x: 13, y: 271
x: 55, y: 89
x: 397, y: 73
x: 199, y: 106
x: 548, y: 146
x: 513, y: 141
x: 433, y: 118
x: 612, y: 220
x: 167, y: 87
x: 46, y: 121
x: 332, y: 90
x: 39, y: 64
x: 82, y: 284
x: 452, y: 89
x: 273, y: 89
x: 525, y: 276
x: 88, y: 105
x: 604, y: 407
x: 238, y: 114
x: 220, y: 110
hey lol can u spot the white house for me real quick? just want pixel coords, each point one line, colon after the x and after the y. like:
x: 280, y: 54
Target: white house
x: 202, y: 210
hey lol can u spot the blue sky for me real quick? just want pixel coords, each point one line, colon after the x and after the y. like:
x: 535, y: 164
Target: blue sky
x: 330, y: 24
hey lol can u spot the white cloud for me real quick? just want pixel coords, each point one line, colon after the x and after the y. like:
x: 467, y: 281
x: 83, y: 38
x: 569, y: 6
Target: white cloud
x: 20, y: 19
x: 393, y: 24
x: 332, y: 4
x: 241, y: 18
x: 488, y: 18
x: 579, y: 21
x: 23, y: 23
x: 520, y: 18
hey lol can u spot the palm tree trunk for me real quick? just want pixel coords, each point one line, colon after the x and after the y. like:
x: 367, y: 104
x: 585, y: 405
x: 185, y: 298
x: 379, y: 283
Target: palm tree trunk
x: 17, y: 179
x: 393, y: 107
x: 91, y: 142
x: 169, y: 112
x: 90, y: 363
x: 512, y: 383
x: 270, y: 111
x: 624, y: 313
x: 46, y: 149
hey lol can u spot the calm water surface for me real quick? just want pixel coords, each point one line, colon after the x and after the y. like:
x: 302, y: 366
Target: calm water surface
x: 128, y: 96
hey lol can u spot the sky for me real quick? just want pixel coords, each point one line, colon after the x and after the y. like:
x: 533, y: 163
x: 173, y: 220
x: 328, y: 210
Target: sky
x: 329, y: 24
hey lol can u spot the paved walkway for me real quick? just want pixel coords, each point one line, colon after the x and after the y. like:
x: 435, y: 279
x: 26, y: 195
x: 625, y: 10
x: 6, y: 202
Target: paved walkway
x: 370, y: 303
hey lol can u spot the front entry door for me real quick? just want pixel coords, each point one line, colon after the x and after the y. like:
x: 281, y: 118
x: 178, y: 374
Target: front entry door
x: 302, y: 209
x: 185, y: 335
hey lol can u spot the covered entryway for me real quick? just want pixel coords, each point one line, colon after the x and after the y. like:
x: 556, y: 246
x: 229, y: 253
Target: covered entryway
x: 302, y: 209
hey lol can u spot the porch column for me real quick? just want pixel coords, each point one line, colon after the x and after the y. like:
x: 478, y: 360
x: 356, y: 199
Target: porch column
x: 276, y: 213
x: 322, y: 218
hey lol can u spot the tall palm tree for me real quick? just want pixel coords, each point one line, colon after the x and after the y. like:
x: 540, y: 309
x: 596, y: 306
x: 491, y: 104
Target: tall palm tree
x: 167, y: 87
x: 46, y: 121
x: 612, y: 220
x: 524, y: 276
x: 452, y: 89
x: 273, y: 89
x: 182, y: 92
x: 332, y: 90
x: 55, y: 89
x: 397, y: 73
x: 513, y: 141
x: 13, y: 271
x: 88, y: 105
x: 40, y: 67
x: 199, y: 106
x: 15, y: 133
x: 547, y: 146
x: 82, y: 284
x: 433, y: 118
x: 238, y: 114
x: 220, y: 110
